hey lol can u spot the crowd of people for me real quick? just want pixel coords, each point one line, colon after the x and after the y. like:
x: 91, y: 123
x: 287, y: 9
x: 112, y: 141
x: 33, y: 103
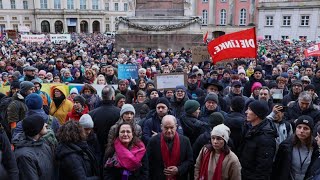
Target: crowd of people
x: 244, y: 119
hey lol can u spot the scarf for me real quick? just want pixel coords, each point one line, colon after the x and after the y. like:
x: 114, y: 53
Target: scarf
x: 170, y: 158
x: 58, y: 100
x: 204, y: 166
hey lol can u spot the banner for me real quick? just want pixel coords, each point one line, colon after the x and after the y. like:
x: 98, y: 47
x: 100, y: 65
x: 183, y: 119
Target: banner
x: 33, y: 38
x: 312, y: 51
x: 240, y: 44
x: 127, y: 71
x: 59, y: 38
x: 24, y: 29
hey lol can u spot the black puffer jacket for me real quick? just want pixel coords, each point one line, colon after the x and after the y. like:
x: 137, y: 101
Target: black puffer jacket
x: 256, y: 151
x: 316, y: 82
x: 8, y: 159
x: 76, y: 161
x: 294, y: 112
x: 178, y: 106
x: 235, y: 120
x: 192, y: 127
x: 289, y: 97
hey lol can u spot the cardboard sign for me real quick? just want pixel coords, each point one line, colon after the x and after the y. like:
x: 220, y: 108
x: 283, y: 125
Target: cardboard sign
x: 33, y: 38
x: 200, y: 54
x: 60, y: 38
x: 127, y: 71
x: 12, y: 34
x: 170, y: 81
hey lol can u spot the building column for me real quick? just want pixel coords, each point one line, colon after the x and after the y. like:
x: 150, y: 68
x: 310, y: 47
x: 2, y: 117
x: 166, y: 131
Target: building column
x: 232, y: 12
x: 89, y: 4
x: 65, y: 25
x: 90, y: 25
x: 211, y: 13
x: 102, y: 25
x: 52, y: 30
x: 78, y: 25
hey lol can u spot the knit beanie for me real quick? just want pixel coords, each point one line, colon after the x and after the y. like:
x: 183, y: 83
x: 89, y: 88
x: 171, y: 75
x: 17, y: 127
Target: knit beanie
x: 181, y: 87
x: 215, y: 119
x: 190, y: 106
x: 15, y: 84
x: 32, y: 125
x: 127, y: 108
x: 309, y: 86
x: 150, y: 91
x: 304, y: 119
x: 86, y: 121
x: 241, y: 71
x: 255, y: 86
x: 25, y: 86
x: 259, y: 108
x: 237, y: 104
x: 222, y: 131
x: 16, y: 74
x: 118, y: 97
x: 163, y: 100
x: 34, y: 101
x: 80, y: 99
x: 212, y: 97
x: 257, y: 69
x: 74, y: 91
x: 42, y: 72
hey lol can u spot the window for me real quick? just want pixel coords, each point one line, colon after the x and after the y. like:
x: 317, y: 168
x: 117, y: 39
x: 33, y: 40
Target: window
x: 15, y: 27
x: 243, y: 17
x: 1, y: 18
x: 267, y: 37
x: 1, y: 6
x: 57, y: 4
x: 83, y: 4
x: 28, y: 25
x: 223, y: 0
x: 286, y: 20
x: 107, y: 27
x: 25, y: 5
x: 204, y: 17
x: 284, y: 37
x: 43, y: 4
x: 106, y: 6
x: 13, y: 4
x: 45, y: 26
x: 14, y: 18
x: 95, y: 4
x: 26, y: 18
x: 223, y: 17
x: 125, y: 7
x: 205, y: 1
x: 305, y: 20
x: 116, y: 6
x: 2, y: 27
x: 269, y: 21
x: 70, y: 4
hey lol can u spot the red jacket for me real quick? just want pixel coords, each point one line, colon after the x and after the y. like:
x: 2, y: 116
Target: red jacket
x: 73, y: 115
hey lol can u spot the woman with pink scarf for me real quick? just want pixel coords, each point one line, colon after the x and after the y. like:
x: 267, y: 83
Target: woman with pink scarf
x: 126, y: 159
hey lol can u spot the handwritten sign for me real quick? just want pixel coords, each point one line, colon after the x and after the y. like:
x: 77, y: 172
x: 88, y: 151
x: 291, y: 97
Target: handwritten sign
x: 12, y: 34
x: 127, y: 71
x: 33, y: 38
x: 170, y: 81
x: 60, y: 38
x: 23, y: 29
x: 200, y: 54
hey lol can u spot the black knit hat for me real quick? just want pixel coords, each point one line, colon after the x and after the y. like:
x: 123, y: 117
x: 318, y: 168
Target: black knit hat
x: 190, y: 106
x: 164, y: 100
x: 80, y: 99
x: 215, y: 119
x: 15, y: 85
x: 304, y: 119
x: 25, y: 86
x: 212, y: 97
x: 310, y: 86
x: 32, y: 125
x: 237, y: 104
x: 257, y: 69
x: 150, y: 91
x: 259, y: 108
x: 118, y: 97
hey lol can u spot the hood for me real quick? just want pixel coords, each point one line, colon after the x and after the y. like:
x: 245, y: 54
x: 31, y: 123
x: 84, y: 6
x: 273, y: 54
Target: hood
x: 59, y: 87
x: 21, y: 140
x: 18, y: 96
x: 64, y: 149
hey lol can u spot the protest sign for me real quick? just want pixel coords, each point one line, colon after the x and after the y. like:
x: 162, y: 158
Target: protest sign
x: 200, y: 54
x: 312, y: 51
x: 12, y: 34
x: 127, y: 71
x: 24, y: 29
x: 33, y: 38
x: 170, y: 81
x: 240, y: 44
x: 60, y: 38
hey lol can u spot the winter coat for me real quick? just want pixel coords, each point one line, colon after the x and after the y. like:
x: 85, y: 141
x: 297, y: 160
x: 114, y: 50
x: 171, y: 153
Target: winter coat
x: 235, y: 121
x: 75, y: 116
x: 294, y: 112
x: 103, y: 118
x: 93, y: 101
x: 66, y: 106
x: 257, y: 150
x: 113, y: 173
x: 17, y: 109
x: 316, y: 82
x: 230, y: 96
x: 192, y: 127
x: 93, y: 143
x: 178, y: 106
x: 313, y: 172
x: 8, y: 159
x: 205, y: 113
x: 34, y: 158
x: 248, y: 85
x: 156, y: 165
x: 283, y: 161
x: 76, y: 161
x: 289, y: 97
x: 231, y: 167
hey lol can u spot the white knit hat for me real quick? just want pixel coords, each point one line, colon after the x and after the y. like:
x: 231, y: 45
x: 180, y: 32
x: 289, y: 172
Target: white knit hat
x: 74, y: 90
x: 221, y: 130
x: 127, y: 108
x: 86, y: 121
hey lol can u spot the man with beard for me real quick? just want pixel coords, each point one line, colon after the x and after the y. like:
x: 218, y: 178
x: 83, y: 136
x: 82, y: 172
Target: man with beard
x: 293, y: 95
x: 29, y: 74
x: 110, y: 76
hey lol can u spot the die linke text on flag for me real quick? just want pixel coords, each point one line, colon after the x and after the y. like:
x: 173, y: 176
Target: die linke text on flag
x: 240, y: 44
x: 312, y: 51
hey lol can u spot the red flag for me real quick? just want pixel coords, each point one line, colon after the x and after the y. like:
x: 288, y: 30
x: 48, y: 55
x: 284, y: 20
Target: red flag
x: 240, y: 44
x: 312, y: 51
x: 205, y: 38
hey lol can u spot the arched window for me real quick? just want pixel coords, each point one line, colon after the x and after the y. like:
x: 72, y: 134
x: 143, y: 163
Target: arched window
x: 204, y: 17
x: 243, y: 17
x: 45, y: 26
x: 96, y: 26
x: 223, y: 17
x: 58, y: 27
x: 84, y: 26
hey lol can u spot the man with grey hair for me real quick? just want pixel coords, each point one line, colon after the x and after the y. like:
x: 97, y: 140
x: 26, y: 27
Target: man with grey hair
x: 105, y: 116
x: 303, y: 106
x: 169, y: 153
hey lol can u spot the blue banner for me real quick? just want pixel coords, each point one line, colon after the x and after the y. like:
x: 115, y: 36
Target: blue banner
x: 127, y: 71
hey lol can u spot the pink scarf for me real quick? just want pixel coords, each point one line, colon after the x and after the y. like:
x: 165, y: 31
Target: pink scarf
x: 129, y: 159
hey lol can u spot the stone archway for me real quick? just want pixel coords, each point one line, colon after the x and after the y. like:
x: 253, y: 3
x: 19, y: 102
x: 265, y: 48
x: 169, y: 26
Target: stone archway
x: 58, y: 26
x: 84, y: 26
x: 45, y: 27
x: 217, y: 34
x: 96, y: 26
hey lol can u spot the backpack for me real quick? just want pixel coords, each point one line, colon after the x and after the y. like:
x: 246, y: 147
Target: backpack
x: 50, y: 137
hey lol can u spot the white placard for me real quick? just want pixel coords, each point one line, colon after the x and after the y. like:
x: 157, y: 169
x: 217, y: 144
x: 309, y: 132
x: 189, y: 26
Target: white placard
x: 33, y: 38
x: 59, y: 38
x: 23, y: 28
x: 170, y: 81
